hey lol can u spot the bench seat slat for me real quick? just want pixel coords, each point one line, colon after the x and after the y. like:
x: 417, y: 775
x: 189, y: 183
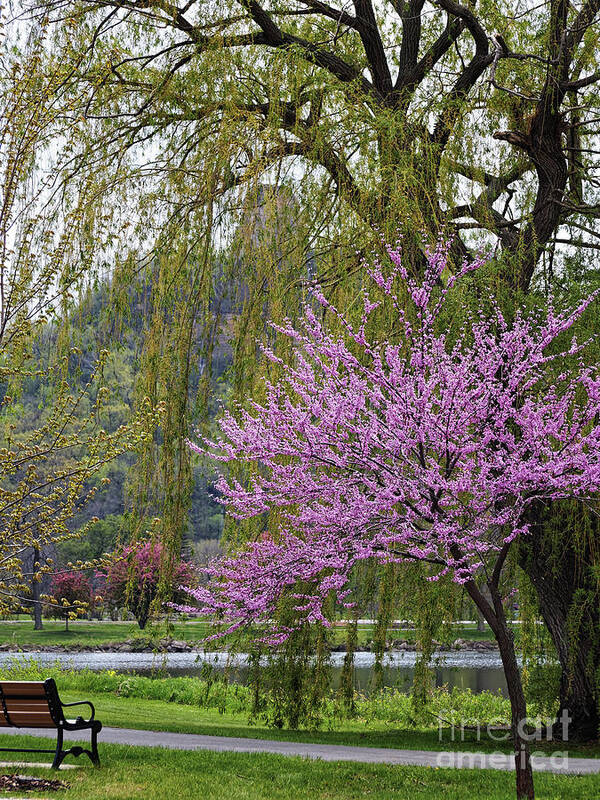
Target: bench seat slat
x: 21, y: 718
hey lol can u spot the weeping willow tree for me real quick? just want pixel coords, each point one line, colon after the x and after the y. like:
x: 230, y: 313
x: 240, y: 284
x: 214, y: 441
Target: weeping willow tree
x: 412, y: 115
x: 49, y: 464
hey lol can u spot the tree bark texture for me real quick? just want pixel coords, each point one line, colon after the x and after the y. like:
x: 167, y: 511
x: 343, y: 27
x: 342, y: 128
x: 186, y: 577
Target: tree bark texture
x: 569, y: 603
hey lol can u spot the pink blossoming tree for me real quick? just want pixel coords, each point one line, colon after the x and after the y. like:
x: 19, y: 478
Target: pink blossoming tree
x: 134, y: 577
x: 72, y: 595
x: 430, y: 449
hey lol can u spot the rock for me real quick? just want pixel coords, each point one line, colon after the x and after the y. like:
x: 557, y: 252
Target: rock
x: 137, y: 645
x: 179, y: 647
x: 485, y: 645
x: 403, y: 645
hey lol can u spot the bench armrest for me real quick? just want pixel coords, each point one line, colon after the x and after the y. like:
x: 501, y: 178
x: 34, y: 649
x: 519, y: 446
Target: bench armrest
x: 81, y: 703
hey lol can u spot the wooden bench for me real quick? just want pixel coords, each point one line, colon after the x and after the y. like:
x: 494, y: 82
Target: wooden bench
x: 36, y: 704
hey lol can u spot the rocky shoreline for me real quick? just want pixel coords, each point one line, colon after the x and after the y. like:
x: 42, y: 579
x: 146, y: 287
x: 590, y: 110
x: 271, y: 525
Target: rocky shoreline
x: 178, y: 646
x: 400, y: 645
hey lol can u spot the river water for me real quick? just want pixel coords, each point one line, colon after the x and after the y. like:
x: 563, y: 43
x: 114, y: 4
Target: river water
x: 467, y: 669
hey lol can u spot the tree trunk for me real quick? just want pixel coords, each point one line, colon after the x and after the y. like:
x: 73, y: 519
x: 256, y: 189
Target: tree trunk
x: 481, y: 623
x: 518, y: 709
x: 496, y: 618
x: 35, y: 594
x: 37, y: 607
x: 567, y: 594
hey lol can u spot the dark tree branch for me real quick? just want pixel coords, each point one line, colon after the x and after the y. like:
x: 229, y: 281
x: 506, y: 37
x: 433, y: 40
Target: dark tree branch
x: 482, y: 209
x: 582, y: 82
x: 275, y: 37
x: 320, y: 153
x: 583, y: 209
x: 494, y: 582
x: 574, y: 35
x: 337, y: 15
x: 265, y: 22
x: 411, y: 35
x: 411, y: 78
x: 472, y: 23
x: 482, y: 58
x: 270, y: 34
x: 373, y: 46
x: 479, y: 175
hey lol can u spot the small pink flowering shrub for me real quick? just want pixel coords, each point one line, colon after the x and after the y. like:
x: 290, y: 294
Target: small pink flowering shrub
x: 72, y: 592
x: 133, y: 579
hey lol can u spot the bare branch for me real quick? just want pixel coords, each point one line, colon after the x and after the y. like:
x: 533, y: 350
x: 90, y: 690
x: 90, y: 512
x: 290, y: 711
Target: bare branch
x: 470, y: 75
x: 582, y: 82
x: 374, y: 50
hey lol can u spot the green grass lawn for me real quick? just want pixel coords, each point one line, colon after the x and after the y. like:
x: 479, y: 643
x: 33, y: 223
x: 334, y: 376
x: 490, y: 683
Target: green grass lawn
x: 183, y: 706
x: 133, y: 712
x: 133, y: 773
x: 83, y: 632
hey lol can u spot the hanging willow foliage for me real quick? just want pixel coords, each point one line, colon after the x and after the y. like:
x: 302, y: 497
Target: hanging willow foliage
x: 51, y: 460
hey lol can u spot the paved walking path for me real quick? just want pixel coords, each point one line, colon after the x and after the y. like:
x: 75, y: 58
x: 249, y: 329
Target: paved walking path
x: 326, y: 752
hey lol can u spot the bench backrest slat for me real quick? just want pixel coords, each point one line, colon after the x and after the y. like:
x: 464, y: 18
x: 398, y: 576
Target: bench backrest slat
x: 23, y: 688
x: 29, y: 704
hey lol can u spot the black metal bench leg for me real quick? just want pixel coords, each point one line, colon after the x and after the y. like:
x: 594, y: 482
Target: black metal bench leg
x: 94, y: 754
x: 59, y: 754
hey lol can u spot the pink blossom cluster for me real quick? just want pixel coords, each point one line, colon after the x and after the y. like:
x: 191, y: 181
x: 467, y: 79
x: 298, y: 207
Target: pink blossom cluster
x: 426, y: 449
x: 71, y: 585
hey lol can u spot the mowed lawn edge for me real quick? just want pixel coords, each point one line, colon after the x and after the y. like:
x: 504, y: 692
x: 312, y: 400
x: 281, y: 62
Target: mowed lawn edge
x: 129, y: 773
